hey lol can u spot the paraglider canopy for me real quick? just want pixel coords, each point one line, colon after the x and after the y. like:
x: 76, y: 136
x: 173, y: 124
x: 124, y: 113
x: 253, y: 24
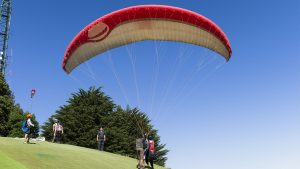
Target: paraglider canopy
x: 145, y: 22
x: 32, y: 93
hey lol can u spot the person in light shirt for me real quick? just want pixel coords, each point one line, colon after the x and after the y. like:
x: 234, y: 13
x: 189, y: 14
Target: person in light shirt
x: 30, y: 126
x: 58, y: 131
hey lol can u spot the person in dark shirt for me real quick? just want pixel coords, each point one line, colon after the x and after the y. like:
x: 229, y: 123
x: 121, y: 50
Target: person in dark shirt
x: 146, y: 149
x: 140, y: 150
x: 101, y: 139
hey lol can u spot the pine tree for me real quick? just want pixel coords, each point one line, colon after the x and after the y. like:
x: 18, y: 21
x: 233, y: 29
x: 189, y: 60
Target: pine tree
x: 6, y: 106
x: 122, y: 128
x: 81, y: 117
x: 89, y: 110
x: 15, y: 122
x: 121, y: 132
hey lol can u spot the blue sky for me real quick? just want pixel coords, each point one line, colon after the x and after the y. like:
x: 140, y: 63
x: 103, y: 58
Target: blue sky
x: 240, y: 114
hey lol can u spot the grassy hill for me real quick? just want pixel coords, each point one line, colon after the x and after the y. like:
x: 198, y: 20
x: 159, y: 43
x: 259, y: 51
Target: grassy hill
x: 44, y: 155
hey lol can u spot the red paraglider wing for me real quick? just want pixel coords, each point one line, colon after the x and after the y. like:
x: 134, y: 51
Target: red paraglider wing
x: 146, y: 22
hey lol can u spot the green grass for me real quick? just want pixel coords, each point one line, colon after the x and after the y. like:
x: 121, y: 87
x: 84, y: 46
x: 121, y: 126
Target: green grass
x: 44, y: 155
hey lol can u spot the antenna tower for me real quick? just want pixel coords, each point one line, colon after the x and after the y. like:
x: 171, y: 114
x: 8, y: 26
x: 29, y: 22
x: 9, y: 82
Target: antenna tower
x: 5, y: 14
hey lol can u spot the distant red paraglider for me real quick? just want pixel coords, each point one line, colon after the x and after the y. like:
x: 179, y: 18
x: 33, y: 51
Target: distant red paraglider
x: 32, y: 93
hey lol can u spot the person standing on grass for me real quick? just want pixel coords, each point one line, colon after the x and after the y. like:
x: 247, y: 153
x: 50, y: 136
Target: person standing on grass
x: 29, y: 126
x: 58, y: 130
x: 146, y: 149
x: 101, y: 138
x: 151, y: 152
x: 140, y: 150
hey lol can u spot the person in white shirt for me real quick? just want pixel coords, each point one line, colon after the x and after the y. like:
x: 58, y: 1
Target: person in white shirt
x: 30, y: 125
x: 57, y: 132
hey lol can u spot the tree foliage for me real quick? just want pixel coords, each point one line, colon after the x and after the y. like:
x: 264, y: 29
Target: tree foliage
x: 16, y: 117
x: 123, y: 126
x: 15, y: 122
x: 81, y: 117
x: 11, y: 115
x: 87, y: 111
x: 6, y: 106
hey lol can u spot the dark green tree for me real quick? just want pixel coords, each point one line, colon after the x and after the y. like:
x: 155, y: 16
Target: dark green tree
x: 81, y: 117
x: 122, y: 128
x: 89, y: 110
x: 6, y: 106
x: 15, y: 122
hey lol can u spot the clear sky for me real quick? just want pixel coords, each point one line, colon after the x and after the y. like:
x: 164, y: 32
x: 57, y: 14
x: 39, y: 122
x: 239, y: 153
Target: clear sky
x: 211, y: 114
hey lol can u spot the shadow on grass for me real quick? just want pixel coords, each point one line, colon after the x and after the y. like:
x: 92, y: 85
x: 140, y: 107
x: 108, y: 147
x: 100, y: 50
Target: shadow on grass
x: 29, y: 143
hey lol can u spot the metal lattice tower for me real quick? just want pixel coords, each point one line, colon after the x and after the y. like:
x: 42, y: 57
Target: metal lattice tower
x: 5, y: 14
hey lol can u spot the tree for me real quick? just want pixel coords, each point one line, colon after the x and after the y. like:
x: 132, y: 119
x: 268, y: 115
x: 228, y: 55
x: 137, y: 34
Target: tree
x: 89, y: 110
x: 11, y: 115
x: 6, y: 106
x: 121, y: 132
x: 81, y: 117
x: 15, y: 122
x: 123, y: 126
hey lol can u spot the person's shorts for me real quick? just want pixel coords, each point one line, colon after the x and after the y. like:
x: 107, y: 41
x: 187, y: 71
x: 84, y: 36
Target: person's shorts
x: 146, y: 152
x: 58, y: 133
x: 151, y: 156
x: 140, y: 153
